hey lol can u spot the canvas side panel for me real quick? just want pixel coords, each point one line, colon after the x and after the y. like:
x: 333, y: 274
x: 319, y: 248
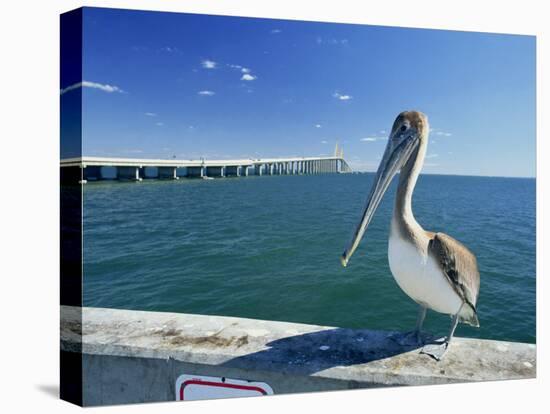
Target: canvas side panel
x: 71, y: 200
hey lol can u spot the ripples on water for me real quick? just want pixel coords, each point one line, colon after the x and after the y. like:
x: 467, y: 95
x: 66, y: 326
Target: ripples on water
x: 268, y: 248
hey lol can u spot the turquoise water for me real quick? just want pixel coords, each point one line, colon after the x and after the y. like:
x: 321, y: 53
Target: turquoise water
x: 269, y: 247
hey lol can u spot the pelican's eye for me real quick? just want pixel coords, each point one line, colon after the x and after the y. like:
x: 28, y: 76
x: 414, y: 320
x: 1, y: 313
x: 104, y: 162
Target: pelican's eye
x: 403, y: 128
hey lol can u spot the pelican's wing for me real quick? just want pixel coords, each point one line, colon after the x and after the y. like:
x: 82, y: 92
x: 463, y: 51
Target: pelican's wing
x: 460, y: 267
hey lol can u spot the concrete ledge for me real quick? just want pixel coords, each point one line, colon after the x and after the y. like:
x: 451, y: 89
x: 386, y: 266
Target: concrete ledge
x: 135, y: 356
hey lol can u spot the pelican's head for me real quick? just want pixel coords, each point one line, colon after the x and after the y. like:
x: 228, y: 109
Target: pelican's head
x: 409, y: 130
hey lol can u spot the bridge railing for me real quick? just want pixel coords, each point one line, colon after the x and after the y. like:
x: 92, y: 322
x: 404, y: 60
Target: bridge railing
x: 93, y: 168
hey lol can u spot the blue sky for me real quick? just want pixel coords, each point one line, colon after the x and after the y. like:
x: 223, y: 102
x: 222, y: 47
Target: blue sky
x: 164, y: 84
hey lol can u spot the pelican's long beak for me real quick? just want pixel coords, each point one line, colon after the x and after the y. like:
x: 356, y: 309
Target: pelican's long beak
x: 395, y: 155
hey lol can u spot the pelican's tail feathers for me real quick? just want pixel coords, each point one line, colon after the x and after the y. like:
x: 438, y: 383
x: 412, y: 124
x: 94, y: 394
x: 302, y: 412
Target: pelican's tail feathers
x: 468, y: 314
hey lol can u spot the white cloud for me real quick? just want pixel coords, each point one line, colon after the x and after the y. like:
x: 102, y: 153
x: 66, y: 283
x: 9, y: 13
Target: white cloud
x: 341, y: 97
x: 432, y: 156
x: 324, y: 142
x: 330, y: 41
x: 383, y: 131
x: 275, y: 31
x: 169, y: 49
x: 209, y: 64
x: 150, y: 114
x: 247, y: 75
x: 318, y: 125
x: 372, y: 139
x: 439, y: 132
x: 206, y: 93
x: 94, y: 85
x: 160, y: 123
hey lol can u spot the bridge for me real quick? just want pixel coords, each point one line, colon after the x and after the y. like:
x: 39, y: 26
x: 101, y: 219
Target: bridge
x: 136, y: 169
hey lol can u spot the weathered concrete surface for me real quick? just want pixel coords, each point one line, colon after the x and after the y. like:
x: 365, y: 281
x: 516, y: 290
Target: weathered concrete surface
x: 134, y: 356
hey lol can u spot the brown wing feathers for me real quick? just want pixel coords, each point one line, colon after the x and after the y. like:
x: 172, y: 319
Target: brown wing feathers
x: 459, y: 265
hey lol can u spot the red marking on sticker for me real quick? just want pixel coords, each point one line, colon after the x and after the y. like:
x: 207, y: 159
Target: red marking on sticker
x: 218, y: 384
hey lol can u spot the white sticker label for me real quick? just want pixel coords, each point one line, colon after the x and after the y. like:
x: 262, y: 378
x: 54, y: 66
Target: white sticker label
x: 198, y: 387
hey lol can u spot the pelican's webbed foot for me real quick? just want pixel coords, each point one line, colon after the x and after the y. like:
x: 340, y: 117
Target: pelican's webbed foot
x: 436, y: 350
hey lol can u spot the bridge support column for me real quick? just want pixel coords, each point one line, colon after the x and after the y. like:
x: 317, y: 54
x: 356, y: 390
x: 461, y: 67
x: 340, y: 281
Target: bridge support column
x: 232, y: 171
x: 195, y: 172
x: 168, y: 173
x: 142, y: 172
x: 128, y: 173
x: 214, y: 172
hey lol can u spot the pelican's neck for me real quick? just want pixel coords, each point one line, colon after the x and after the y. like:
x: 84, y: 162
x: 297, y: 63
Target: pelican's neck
x: 403, y: 217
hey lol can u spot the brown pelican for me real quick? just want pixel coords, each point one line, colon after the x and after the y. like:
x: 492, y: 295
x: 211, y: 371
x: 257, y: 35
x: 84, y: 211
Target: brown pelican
x: 433, y: 269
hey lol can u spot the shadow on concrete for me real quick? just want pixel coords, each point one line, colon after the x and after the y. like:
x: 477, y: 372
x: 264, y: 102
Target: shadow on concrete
x: 313, y: 352
x: 51, y: 390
